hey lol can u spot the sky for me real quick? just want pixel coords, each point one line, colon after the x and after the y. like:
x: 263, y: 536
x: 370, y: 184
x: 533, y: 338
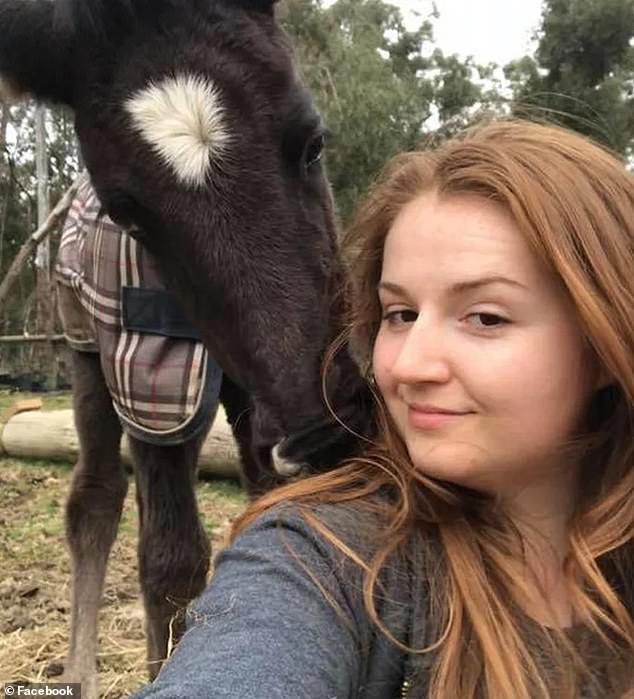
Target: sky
x: 489, y: 30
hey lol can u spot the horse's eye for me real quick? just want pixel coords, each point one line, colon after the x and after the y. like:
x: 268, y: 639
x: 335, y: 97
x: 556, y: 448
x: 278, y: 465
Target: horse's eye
x: 121, y: 208
x: 126, y: 212
x: 314, y: 150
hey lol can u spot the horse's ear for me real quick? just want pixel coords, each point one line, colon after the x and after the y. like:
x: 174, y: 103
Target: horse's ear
x: 34, y: 52
x: 266, y: 6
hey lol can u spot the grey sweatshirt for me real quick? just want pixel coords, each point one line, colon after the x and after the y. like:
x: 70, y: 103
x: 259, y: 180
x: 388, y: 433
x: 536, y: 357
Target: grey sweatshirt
x: 284, y: 618
x: 264, y: 629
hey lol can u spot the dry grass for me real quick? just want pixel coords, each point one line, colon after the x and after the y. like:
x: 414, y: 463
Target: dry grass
x: 34, y: 579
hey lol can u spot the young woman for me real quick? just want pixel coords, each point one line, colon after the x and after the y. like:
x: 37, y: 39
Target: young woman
x: 483, y: 545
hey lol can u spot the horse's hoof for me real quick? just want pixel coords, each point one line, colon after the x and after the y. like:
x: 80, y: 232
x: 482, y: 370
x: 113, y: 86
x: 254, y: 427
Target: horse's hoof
x: 89, y: 685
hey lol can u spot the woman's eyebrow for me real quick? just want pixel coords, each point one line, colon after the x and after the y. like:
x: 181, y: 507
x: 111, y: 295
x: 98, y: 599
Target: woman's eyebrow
x: 471, y: 284
x: 459, y: 287
x: 390, y: 286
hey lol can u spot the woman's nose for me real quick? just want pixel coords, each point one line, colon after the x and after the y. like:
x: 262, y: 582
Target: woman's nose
x: 422, y: 356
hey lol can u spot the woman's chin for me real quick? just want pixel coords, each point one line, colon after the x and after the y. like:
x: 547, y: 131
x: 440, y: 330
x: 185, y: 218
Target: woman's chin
x: 455, y: 463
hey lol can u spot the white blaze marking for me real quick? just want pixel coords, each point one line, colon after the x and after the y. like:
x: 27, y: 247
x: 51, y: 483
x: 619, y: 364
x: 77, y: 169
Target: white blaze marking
x: 182, y: 118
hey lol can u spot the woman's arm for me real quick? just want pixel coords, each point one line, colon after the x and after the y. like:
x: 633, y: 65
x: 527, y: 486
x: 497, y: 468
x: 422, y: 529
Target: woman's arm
x: 264, y: 629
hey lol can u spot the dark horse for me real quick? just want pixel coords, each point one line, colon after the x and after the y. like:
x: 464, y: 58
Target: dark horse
x: 198, y: 135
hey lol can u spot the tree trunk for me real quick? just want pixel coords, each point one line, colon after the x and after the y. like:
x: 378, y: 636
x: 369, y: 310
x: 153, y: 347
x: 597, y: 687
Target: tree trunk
x: 4, y: 123
x: 6, y: 187
x: 45, y: 320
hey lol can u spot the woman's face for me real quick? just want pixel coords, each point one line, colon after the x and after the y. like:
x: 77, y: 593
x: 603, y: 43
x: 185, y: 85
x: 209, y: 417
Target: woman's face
x: 479, y: 356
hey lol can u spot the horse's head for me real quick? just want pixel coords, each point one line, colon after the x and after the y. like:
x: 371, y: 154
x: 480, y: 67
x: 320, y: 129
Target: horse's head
x: 198, y: 132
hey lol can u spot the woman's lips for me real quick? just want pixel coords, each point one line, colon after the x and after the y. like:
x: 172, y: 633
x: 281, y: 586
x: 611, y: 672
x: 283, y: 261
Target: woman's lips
x: 430, y: 417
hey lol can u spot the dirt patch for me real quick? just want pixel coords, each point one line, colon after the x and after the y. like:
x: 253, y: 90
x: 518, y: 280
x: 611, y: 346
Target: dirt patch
x: 34, y: 583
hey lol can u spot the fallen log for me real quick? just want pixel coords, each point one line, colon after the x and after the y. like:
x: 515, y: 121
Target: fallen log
x: 51, y: 435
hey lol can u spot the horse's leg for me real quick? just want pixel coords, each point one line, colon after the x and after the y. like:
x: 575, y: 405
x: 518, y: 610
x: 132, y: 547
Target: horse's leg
x: 174, y: 551
x: 256, y: 473
x: 93, y: 511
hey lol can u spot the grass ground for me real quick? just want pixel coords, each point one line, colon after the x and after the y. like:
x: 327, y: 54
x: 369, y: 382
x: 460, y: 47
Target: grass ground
x: 51, y: 401
x: 34, y: 574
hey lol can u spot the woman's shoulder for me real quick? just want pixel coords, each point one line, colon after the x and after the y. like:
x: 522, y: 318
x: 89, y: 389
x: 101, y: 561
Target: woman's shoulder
x: 357, y: 529
x: 340, y: 543
x: 329, y: 529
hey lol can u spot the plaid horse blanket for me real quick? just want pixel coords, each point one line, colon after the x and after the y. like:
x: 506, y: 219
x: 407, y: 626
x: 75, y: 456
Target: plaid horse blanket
x: 163, y: 383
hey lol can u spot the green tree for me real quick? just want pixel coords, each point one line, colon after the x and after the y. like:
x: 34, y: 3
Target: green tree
x: 18, y: 217
x: 582, y: 74
x: 18, y: 199
x: 376, y: 82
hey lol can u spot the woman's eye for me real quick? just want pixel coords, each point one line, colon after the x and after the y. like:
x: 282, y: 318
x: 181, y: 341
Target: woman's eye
x: 487, y: 321
x: 399, y: 317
